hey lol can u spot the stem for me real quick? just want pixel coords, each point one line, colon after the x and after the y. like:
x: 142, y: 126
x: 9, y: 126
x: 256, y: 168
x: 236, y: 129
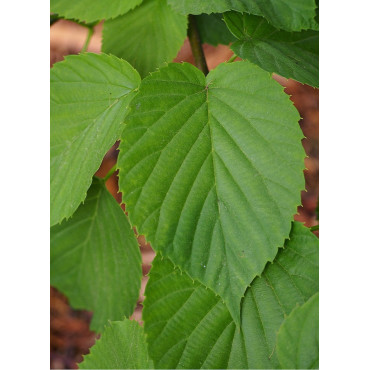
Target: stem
x: 86, y: 44
x: 110, y: 173
x: 232, y: 59
x: 196, y: 45
x: 314, y: 228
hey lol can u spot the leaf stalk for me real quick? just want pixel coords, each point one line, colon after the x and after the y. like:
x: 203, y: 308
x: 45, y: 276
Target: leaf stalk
x: 232, y: 58
x: 88, y: 38
x: 110, y: 173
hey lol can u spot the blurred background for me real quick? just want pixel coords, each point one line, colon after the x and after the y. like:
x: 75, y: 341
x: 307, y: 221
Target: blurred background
x: 70, y: 336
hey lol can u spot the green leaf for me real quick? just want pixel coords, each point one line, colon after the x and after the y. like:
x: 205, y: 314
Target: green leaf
x: 121, y: 346
x: 147, y: 37
x: 298, y: 337
x: 92, y: 10
x: 189, y: 327
x: 90, y: 94
x: 213, y: 30
x: 95, y: 258
x: 290, y: 54
x: 291, y: 15
x: 211, y: 171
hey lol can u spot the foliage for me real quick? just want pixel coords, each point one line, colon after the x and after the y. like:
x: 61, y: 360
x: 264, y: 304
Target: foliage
x: 298, y: 337
x: 290, y: 54
x: 290, y: 15
x: 92, y: 10
x: 92, y: 251
x: 210, y: 170
x: 190, y: 327
x: 194, y: 174
x: 122, y: 346
x: 90, y: 94
x: 147, y: 36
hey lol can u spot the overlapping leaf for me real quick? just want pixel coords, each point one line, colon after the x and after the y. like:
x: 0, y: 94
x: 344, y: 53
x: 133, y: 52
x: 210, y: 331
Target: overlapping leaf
x: 148, y: 36
x: 298, y: 338
x: 291, y: 15
x: 92, y: 10
x: 122, y: 346
x: 290, y: 54
x: 213, y: 30
x: 189, y: 327
x: 90, y: 94
x: 211, y: 171
x: 95, y: 259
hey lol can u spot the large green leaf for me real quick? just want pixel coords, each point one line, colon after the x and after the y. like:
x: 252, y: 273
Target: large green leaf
x: 92, y: 10
x: 213, y: 30
x: 298, y: 338
x: 211, y: 171
x: 290, y: 54
x: 90, y: 94
x: 122, y: 346
x: 95, y: 259
x: 147, y: 37
x: 291, y: 15
x: 189, y: 327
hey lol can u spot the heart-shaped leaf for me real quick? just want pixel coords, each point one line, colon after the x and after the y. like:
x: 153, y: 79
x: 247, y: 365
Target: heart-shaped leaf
x: 95, y: 259
x: 211, y: 171
x: 189, y: 327
x: 90, y: 94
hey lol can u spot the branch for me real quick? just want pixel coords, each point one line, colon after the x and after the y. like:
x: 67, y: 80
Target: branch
x: 196, y: 45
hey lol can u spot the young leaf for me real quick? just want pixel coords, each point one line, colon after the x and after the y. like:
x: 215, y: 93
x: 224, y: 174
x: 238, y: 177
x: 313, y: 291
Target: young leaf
x: 290, y: 54
x: 211, y: 171
x: 298, y: 338
x: 189, y: 327
x: 95, y: 259
x: 213, y: 30
x: 90, y: 94
x: 91, y: 10
x: 148, y: 36
x: 122, y: 346
x: 291, y: 15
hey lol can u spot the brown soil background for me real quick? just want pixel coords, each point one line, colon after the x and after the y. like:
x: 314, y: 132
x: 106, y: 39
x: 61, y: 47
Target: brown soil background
x: 70, y: 336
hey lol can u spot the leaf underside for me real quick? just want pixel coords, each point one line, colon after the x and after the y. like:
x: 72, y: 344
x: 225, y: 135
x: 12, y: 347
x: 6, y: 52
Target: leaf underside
x: 147, y: 37
x: 189, y: 327
x: 91, y: 10
x: 122, y: 346
x: 290, y: 54
x: 213, y: 30
x: 95, y: 259
x: 298, y: 338
x: 291, y: 15
x: 90, y: 94
x: 211, y: 171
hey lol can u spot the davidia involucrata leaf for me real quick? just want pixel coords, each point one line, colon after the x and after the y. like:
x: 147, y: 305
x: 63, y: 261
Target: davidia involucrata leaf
x: 147, y: 37
x: 290, y: 54
x: 298, y: 337
x: 92, y: 10
x: 291, y: 15
x: 211, y: 170
x: 189, y: 327
x: 95, y: 258
x: 122, y: 346
x: 90, y: 94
